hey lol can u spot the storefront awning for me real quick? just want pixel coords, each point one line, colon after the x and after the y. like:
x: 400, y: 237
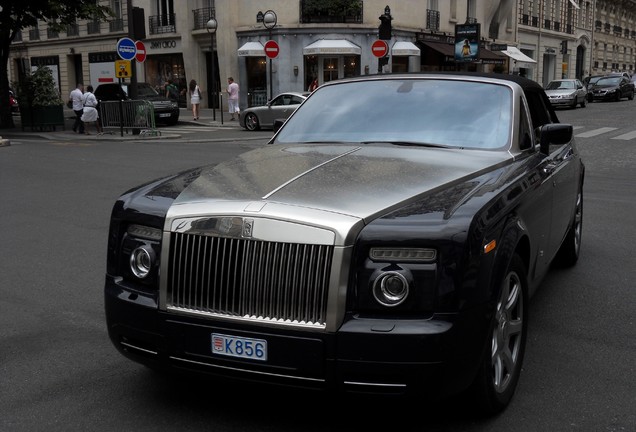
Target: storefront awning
x: 251, y: 49
x: 332, y: 46
x: 448, y: 50
x: 405, y: 49
x: 515, y: 54
x: 491, y: 57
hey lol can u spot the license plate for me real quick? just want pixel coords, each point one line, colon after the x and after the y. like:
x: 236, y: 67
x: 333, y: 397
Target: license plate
x: 165, y: 115
x: 234, y: 346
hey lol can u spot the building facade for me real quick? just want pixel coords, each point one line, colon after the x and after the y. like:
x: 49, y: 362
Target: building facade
x: 330, y: 40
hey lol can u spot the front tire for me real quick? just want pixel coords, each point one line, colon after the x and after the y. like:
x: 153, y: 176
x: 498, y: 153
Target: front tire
x: 498, y: 375
x: 251, y: 122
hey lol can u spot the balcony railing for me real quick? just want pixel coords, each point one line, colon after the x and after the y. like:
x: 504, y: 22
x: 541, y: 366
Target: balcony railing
x: 432, y: 20
x: 72, y: 30
x: 164, y: 23
x: 201, y: 17
x: 116, y: 25
x: 343, y: 11
x: 92, y: 27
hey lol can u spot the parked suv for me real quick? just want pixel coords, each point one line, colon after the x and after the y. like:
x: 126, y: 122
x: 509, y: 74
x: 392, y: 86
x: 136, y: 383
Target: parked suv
x: 166, y: 111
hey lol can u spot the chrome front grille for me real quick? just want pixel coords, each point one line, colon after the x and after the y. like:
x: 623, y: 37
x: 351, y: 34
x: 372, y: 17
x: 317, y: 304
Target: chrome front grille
x: 248, y: 279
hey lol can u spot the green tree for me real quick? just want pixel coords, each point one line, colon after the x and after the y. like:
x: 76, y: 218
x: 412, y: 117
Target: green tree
x: 16, y: 15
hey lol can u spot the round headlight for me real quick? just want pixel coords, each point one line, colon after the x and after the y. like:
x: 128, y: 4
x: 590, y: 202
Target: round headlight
x: 390, y: 289
x: 141, y: 261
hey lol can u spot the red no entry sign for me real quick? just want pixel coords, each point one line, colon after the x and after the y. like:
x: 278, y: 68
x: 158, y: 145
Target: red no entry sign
x: 271, y: 49
x: 380, y: 48
x: 141, y: 51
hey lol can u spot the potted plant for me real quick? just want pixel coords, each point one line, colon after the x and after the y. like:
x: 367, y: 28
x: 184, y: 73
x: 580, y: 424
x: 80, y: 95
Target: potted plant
x: 40, y: 103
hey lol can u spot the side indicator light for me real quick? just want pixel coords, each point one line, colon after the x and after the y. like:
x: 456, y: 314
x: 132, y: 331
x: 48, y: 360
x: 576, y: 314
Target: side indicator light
x: 490, y: 246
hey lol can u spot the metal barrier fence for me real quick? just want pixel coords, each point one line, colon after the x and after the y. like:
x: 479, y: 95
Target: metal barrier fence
x: 136, y: 116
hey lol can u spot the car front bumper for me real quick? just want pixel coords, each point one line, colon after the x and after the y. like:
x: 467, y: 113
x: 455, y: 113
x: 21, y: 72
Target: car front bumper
x: 438, y: 356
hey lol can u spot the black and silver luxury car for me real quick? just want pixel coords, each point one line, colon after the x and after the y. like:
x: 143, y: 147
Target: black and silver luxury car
x: 386, y: 243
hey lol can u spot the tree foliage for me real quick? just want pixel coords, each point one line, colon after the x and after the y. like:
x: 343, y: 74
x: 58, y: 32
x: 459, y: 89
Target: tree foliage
x: 38, y: 89
x: 16, y: 15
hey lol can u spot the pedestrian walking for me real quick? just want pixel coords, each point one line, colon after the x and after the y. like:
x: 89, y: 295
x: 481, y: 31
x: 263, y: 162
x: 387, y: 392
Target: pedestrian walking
x: 233, y: 97
x: 195, y: 99
x: 90, y: 114
x: 77, y: 100
x: 172, y: 91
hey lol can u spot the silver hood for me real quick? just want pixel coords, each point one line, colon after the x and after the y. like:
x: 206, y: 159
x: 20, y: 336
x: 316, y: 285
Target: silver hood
x: 310, y: 183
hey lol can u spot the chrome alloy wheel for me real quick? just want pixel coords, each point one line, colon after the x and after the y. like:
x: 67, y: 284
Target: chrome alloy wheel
x: 251, y: 122
x: 507, y: 336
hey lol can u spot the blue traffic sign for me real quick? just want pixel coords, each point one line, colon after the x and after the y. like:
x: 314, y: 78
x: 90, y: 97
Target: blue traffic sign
x: 126, y: 48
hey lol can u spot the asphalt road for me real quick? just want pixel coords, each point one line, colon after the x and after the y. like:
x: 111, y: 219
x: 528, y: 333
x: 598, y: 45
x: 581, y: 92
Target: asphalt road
x: 59, y: 371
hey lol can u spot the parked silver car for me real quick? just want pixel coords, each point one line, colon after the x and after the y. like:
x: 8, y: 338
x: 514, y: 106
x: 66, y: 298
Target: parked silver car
x: 281, y: 107
x: 566, y: 92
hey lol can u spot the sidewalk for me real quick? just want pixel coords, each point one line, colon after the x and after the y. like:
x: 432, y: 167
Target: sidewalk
x: 207, y: 117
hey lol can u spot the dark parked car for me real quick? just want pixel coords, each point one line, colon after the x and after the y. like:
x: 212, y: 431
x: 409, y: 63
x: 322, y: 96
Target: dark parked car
x: 566, y: 93
x: 613, y: 88
x: 589, y: 82
x: 165, y: 110
x: 279, y: 108
x: 386, y: 243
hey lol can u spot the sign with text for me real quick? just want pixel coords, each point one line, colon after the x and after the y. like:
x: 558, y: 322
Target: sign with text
x: 467, y: 42
x: 123, y: 69
x: 126, y: 48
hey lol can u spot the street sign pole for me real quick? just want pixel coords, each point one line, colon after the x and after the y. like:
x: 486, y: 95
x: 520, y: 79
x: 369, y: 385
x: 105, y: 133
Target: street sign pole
x: 271, y: 51
x: 133, y: 64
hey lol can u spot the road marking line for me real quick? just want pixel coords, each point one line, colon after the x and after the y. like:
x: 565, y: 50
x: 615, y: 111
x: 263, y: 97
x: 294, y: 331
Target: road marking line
x: 627, y: 136
x: 595, y: 132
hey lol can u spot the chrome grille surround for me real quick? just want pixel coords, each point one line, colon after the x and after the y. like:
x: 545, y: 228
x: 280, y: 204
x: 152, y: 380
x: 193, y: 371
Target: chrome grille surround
x: 249, y: 279
x: 269, y: 253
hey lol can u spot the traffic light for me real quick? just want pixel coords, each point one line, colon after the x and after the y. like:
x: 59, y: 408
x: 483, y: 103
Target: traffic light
x: 564, y: 47
x: 384, y: 31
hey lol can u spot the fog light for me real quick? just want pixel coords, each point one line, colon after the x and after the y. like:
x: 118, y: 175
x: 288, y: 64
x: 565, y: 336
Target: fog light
x: 141, y: 261
x: 390, y: 289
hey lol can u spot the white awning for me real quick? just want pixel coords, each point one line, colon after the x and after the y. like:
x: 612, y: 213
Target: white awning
x: 251, y: 49
x: 331, y: 46
x: 515, y: 54
x: 405, y: 49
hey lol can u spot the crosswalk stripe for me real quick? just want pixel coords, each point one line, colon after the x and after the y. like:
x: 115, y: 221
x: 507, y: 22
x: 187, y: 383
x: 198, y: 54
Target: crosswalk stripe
x: 627, y: 136
x: 595, y: 132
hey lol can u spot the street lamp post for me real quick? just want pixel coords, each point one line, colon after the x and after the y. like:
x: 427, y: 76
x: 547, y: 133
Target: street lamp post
x: 269, y: 21
x: 211, y: 28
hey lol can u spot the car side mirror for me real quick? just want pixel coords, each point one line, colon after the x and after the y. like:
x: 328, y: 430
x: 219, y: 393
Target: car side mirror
x: 277, y: 124
x: 554, y: 133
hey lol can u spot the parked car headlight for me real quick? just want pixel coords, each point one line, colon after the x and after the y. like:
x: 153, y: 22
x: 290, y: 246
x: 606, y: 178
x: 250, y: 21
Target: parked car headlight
x: 140, y: 253
x: 142, y: 261
x: 397, y: 280
x: 390, y: 288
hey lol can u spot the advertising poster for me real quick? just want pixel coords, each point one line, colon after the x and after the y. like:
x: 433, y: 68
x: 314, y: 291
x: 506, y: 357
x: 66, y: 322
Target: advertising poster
x: 467, y: 42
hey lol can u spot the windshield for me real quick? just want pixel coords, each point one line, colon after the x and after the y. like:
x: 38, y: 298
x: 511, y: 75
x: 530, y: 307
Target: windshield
x: 143, y: 90
x: 560, y: 85
x: 405, y: 111
x: 611, y: 81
